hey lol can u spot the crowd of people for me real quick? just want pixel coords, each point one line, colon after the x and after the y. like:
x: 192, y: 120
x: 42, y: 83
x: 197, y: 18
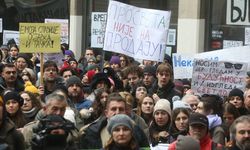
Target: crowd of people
x: 115, y: 104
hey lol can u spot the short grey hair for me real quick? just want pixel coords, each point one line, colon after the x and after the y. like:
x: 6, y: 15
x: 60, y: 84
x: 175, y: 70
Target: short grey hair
x: 54, y: 97
x: 241, y: 119
x: 187, y: 96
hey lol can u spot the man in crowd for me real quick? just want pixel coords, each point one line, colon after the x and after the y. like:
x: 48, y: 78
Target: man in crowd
x: 10, y: 79
x: 51, y: 79
x: 55, y: 105
x: 95, y: 135
x: 149, y: 76
x: 240, y: 131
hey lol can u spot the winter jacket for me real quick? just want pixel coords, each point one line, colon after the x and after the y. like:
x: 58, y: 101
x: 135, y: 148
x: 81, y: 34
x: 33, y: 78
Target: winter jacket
x: 166, y: 92
x: 10, y: 136
x: 91, y: 139
x: 216, y: 131
x: 19, y: 85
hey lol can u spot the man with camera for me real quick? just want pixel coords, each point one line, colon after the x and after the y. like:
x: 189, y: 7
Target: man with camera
x: 52, y: 131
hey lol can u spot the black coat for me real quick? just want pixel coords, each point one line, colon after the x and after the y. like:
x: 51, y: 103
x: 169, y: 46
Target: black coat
x: 10, y: 136
x: 166, y: 92
x: 92, y: 137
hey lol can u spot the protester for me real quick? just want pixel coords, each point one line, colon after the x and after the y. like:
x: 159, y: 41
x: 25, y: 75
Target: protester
x: 31, y: 106
x: 236, y: 97
x: 164, y: 86
x: 192, y: 100
x: 55, y: 105
x: 96, y: 135
x: 145, y: 109
x: 10, y: 138
x: 240, y: 133
x: 211, y: 106
x: 121, y: 129
x: 13, y: 104
x: 247, y: 100
x: 179, y: 124
x: 159, y: 128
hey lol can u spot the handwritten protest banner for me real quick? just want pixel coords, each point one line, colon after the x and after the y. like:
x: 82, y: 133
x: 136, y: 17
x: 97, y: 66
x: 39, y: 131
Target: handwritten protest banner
x: 98, y: 26
x: 39, y: 37
x: 64, y: 28
x: 182, y: 65
x: 217, y: 77
x: 136, y: 32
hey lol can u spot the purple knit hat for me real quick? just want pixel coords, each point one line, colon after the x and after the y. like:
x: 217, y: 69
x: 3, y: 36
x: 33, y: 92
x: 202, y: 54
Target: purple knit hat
x: 115, y: 60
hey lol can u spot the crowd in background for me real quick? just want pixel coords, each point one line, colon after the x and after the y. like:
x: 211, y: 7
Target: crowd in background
x: 120, y: 103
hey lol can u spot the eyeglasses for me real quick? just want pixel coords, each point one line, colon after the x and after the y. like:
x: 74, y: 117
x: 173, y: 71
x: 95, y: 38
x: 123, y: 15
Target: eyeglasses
x: 229, y: 65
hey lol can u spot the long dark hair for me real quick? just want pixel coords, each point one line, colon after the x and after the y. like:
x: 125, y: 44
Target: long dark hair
x: 173, y: 129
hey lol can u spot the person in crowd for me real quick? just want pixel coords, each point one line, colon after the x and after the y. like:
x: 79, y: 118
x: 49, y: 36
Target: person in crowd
x: 99, y: 80
x: 28, y: 74
x: 240, y: 133
x: 13, y: 53
x: 13, y: 106
x: 10, y: 138
x: 185, y: 143
x: 186, y: 85
x: 31, y: 105
x: 230, y: 113
x: 247, y: 80
x: 236, y: 97
x: 115, y: 63
x: 149, y: 76
x: 55, y: 105
x: 23, y: 61
x: 76, y: 94
x: 89, y: 52
x: 164, y: 86
x: 140, y: 93
x: 68, y: 54
x: 159, y: 128
x: 247, y: 100
x: 211, y: 106
x: 192, y: 100
x: 51, y: 79
x: 121, y: 127
x: 133, y: 74
x: 5, y: 52
x: 198, y: 129
x: 124, y: 62
x: 147, y: 63
x: 74, y: 65
x: 98, y: 106
x: 95, y: 135
x: 67, y: 72
x: 136, y: 118
x: 145, y: 109
x: 179, y: 124
x: 9, y: 79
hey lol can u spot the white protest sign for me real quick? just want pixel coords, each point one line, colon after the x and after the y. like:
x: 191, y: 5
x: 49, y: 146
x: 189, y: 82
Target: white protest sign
x: 171, y: 37
x: 1, y: 25
x: 8, y: 35
x: 136, y: 32
x: 98, y: 25
x: 58, y: 58
x: 160, y: 146
x: 238, y: 12
x: 231, y: 43
x: 232, y: 54
x: 217, y: 77
x: 182, y: 65
x: 247, y: 36
x: 64, y: 28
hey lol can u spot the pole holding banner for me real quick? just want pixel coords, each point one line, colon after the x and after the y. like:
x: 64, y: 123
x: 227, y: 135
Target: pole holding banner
x: 41, y: 69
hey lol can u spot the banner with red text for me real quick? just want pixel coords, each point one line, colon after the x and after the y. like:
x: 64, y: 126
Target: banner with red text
x: 137, y: 32
x: 217, y: 77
